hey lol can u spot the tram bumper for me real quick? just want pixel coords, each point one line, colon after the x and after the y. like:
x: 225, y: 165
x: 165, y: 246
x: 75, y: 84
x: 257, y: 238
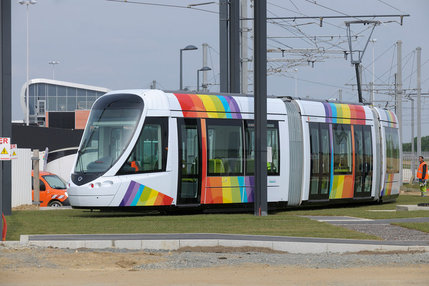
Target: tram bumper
x: 96, y: 194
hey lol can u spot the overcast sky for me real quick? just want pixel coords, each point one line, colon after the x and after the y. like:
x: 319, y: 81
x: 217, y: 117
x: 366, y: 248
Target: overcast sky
x: 127, y: 45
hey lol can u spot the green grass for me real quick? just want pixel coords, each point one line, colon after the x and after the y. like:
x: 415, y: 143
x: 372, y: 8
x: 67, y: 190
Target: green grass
x: 282, y: 223
x: 421, y: 226
x: 370, y: 211
x: 85, y: 222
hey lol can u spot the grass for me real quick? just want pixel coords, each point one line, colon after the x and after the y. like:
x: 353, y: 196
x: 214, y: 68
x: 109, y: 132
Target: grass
x: 85, y: 222
x: 369, y: 211
x: 421, y: 226
x: 283, y: 223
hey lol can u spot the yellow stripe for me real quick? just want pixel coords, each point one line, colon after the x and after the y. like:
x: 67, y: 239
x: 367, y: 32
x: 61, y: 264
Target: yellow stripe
x: 152, y: 197
x: 213, y: 106
x: 346, y: 114
x: 340, y: 187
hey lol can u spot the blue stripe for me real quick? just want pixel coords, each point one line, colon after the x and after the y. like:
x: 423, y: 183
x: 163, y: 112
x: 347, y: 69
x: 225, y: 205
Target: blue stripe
x: 225, y: 106
x: 137, y: 197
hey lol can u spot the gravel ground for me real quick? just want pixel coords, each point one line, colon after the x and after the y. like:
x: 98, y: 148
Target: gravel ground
x: 15, y: 258
x: 178, y: 260
x: 388, y: 231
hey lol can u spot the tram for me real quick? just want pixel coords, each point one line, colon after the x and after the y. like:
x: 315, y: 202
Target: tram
x: 150, y: 148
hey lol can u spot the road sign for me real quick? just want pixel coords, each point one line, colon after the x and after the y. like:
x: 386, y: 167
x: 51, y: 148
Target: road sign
x: 4, y: 148
x: 13, y: 151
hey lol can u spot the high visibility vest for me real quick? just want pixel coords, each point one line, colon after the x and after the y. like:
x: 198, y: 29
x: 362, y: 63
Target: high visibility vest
x: 420, y: 174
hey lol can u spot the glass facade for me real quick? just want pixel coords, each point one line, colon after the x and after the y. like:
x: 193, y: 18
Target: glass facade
x: 49, y: 97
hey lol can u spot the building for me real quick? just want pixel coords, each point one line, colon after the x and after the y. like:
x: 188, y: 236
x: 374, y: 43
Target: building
x: 59, y: 104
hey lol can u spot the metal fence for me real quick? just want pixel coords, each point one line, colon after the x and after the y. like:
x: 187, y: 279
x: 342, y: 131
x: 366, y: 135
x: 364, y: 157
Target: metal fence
x: 410, y: 163
x: 21, y: 178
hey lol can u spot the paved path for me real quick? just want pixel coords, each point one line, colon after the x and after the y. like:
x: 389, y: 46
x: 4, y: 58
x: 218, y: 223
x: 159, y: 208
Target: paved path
x: 394, y: 239
x: 380, y: 227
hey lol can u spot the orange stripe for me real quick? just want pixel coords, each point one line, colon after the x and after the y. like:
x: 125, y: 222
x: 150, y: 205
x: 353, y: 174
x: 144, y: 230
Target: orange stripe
x: 204, y: 160
x: 354, y: 155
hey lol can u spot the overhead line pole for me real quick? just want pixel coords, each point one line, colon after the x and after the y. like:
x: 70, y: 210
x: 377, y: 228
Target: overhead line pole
x: 399, y: 98
x: 5, y: 106
x: 223, y: 45
x: 419, y: 101
x: 260, y: 107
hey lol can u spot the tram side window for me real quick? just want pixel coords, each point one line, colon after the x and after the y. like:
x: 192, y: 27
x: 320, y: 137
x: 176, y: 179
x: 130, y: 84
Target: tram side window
x: 225, y: 147
x: 392, y: 150
x: 273, y: 156
x: 342, y: 149
x: 150, y: 151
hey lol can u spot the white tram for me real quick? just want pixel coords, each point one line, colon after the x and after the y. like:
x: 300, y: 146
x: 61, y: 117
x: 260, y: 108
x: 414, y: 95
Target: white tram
x: 149, y: 148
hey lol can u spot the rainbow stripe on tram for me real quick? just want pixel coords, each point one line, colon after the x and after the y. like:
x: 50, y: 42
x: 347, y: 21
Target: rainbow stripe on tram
x: 228, y: 190
x: 344, y: 113
x: 208, y: 106
x: 391, y: 119
x: 141, y: 195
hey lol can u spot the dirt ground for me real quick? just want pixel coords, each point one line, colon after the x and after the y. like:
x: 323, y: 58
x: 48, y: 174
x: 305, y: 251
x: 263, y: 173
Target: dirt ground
x: 57, y: 267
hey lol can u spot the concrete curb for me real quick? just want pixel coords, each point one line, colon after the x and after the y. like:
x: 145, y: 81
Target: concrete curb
x: 175, y: 244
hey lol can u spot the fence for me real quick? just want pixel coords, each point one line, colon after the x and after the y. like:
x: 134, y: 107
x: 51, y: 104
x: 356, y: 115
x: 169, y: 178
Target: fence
x: 408, y: 169
x: 21, y: 178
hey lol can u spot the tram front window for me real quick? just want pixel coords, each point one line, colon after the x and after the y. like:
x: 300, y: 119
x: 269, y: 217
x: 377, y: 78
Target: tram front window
x: 111, y: 125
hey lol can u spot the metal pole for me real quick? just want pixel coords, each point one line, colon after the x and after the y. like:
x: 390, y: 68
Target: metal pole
x: 244, y: 49
x: 27, y: 92
x: 198, y: 80
x: 181, y: 71
x: 340, y: 95
x: 296, y: 83
x: 358, y: 82
x: 36, y: 182
x: 204, y: 83
x: 223, y: 46
x: 419, y: 101
x: 260, y: 107
x: 234, y: 45
x: 399, y: 99
x: 5, y: 104
x: 413, y: 157
x: 371, y: 95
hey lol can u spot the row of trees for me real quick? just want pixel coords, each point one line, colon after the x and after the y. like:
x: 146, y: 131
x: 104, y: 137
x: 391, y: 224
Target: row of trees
x: 406, y: 147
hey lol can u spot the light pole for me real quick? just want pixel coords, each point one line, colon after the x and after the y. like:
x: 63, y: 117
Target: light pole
x: 198, y: 76
x: 27, y: 3
x: 187, y: 48
x: 53, y: 63
x: 373, y: 71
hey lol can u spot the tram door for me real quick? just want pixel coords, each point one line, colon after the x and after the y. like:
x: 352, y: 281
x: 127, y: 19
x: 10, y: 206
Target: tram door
x: 320, y: 161
x: 189, y: 191
x: 363, y: 160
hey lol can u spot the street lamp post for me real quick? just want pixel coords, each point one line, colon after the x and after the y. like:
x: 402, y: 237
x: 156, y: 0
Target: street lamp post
x: 27, y: 3
x: 198, y: 76
x: 53, y: 63
x: 187, y: 48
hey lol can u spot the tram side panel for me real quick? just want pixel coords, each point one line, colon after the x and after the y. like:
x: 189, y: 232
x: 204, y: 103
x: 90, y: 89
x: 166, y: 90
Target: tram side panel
x: 339, y: 151
x: 391, y: 149
x: 152, y: 180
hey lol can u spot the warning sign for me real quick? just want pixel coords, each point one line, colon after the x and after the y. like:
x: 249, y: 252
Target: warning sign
x: 13, y: 151
x: 4, y: 148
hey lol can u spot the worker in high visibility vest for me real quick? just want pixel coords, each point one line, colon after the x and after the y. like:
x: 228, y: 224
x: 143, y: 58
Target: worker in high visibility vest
x: 422, y: 175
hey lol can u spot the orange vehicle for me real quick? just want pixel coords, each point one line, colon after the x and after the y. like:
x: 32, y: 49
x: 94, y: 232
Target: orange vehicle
x: 53, y: 190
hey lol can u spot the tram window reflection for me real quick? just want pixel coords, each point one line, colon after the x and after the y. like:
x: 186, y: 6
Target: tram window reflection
x: 225, y: 147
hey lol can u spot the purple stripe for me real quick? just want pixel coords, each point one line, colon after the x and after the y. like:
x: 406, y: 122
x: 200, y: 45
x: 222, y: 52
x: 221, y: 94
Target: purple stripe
x: 250, y: 186
x: 235, y: 110
x: 328, y: 112
x: 130, y: 194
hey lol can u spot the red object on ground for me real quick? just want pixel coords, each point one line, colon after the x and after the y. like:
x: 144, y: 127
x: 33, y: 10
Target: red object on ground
x: 3, y: 235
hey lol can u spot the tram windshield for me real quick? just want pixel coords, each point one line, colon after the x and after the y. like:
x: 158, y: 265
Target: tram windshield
x: 111, y: 125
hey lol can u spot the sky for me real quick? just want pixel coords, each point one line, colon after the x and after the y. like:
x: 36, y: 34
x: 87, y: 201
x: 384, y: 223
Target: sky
x: 120, y: 45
